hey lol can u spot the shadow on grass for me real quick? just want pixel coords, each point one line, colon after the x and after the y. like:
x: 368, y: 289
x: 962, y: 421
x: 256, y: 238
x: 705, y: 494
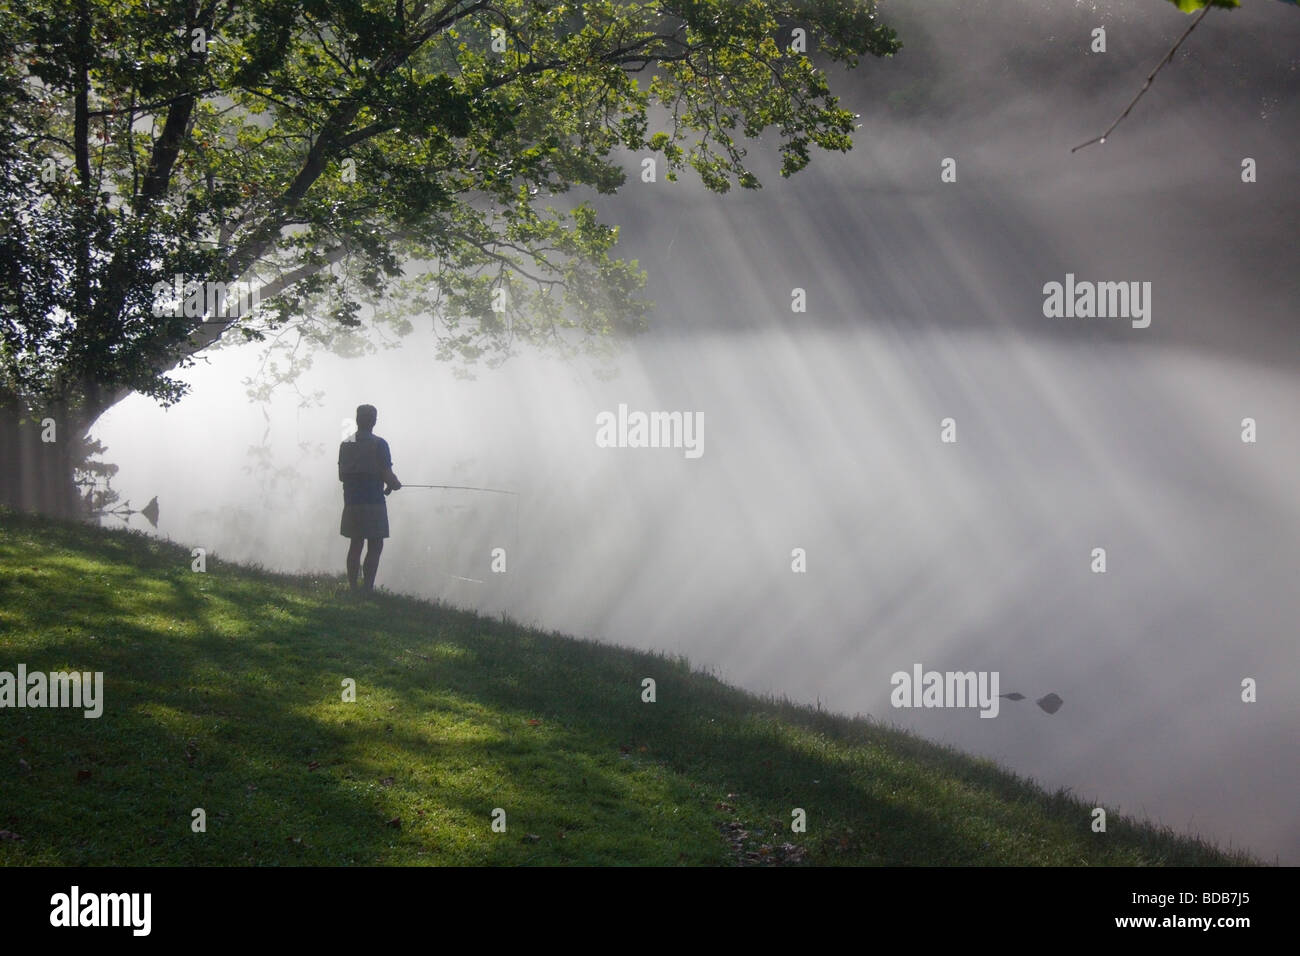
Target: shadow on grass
x: 224, y: 691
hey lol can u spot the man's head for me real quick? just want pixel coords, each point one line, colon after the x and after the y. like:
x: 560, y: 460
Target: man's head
x: 366, y: 417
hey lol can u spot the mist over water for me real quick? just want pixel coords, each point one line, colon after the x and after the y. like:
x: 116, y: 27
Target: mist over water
x: 821, y: 429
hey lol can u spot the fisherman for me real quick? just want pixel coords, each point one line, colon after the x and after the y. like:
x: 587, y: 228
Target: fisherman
x: 366, y: 470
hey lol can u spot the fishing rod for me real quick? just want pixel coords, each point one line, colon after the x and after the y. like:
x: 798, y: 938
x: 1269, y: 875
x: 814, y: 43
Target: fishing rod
x: 491, y: 491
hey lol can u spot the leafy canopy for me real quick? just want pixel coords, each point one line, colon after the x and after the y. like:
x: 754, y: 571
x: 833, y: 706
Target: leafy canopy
x: 405, y: 154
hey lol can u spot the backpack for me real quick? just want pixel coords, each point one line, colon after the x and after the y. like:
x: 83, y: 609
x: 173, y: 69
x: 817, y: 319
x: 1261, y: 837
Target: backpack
x: 359, y: 458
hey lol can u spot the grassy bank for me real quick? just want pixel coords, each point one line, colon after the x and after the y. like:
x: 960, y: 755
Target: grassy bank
x: 224, y: 691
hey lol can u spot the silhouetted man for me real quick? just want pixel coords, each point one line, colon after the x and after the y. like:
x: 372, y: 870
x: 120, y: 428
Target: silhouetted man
x: 366, y: 470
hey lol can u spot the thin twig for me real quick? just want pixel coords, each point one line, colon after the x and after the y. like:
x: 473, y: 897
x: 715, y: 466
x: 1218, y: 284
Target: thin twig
x: 1147, y: 85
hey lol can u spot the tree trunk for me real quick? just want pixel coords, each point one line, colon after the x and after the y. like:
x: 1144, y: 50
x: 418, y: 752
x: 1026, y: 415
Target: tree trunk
x: 38, y: 462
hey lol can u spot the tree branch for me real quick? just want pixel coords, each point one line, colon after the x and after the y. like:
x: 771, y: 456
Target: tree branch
x: 1147, y: 85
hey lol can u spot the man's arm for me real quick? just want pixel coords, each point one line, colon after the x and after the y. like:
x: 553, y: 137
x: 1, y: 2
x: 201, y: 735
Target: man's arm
x: 390, y: 479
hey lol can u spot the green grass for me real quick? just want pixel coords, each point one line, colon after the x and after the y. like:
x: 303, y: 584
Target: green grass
x: 223, y: 690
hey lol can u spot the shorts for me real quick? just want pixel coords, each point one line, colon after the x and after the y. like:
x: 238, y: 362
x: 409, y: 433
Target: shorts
x: 364, y: 521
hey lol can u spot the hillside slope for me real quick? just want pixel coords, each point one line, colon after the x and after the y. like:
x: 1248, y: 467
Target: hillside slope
x: 223, y: 691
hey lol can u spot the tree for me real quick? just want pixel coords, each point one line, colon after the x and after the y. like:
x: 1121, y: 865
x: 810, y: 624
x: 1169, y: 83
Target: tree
x: 354, y: 158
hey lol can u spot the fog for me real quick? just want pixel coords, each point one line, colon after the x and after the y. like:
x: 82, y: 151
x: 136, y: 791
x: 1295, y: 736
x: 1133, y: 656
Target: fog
x: 821, y: 430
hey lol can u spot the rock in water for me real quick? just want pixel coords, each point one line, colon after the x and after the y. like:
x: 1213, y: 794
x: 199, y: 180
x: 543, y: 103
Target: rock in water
x: 1051, y: 703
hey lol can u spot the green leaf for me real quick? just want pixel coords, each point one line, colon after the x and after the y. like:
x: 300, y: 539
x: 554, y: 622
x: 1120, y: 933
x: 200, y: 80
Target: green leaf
x: 1191, y: 6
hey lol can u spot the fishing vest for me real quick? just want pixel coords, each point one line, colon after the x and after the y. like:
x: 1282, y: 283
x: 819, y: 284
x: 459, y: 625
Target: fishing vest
x: 359, y: 457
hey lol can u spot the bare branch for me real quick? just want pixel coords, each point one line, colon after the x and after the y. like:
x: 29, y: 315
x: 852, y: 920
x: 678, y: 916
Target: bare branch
x: 1147, y: 85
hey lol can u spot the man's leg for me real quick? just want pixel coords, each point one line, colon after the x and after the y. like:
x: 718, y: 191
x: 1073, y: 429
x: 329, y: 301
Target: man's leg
x: 374, y: 548
x: 354, y: 560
